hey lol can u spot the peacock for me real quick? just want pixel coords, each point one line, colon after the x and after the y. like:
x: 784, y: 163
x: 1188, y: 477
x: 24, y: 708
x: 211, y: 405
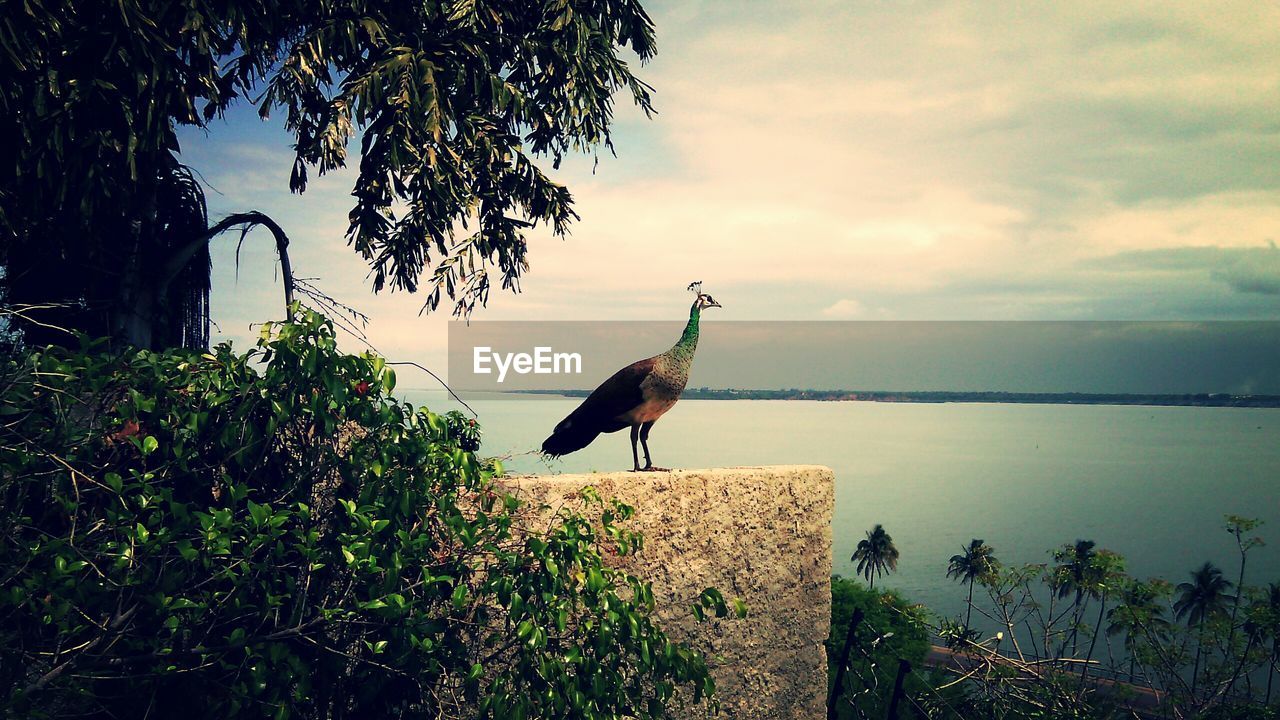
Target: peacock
x: 635, y: 396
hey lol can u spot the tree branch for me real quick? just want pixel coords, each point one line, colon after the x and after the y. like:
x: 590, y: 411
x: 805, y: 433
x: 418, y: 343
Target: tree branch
x: 245, y: 220
x: 112, y: 626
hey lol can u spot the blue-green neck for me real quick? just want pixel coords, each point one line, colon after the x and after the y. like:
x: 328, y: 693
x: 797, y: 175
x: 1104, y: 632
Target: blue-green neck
x: 689, y: 340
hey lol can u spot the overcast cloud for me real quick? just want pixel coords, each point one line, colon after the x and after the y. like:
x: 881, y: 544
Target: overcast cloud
x: 872, y: 160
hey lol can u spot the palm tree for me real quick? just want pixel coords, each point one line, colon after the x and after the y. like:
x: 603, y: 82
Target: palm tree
x: 1204, y: 597
x: 877, y: 555
x: 974, y: 562
x: 1073, y: 574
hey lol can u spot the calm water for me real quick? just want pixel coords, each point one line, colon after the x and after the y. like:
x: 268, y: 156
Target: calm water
x: 1150, y: 483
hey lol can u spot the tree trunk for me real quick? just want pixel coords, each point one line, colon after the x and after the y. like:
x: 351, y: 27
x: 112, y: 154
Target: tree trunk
x: 133, y: 308
x: 1271, y: 675
x: 1195, y: 668
x: 904, y: 667
x: 1235, y: 674
x: 1111, y: 652
x: 837, y: 685
x: 1235, y: 605
x: 1102, y: 605
x: 1077, y: 617
x: 969, y: 615
x: 134, y: 322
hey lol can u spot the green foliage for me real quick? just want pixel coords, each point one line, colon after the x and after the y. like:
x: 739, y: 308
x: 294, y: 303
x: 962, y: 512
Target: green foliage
x: 1231, y: 711
x: 891, y: 629
x: 1238, y: 526
x: 876, y: 555
x: 1204, y: 596
x: 1141, y: 617
x: 976, y: 560
x: 1073, y: 571
x: 1075, y: 638
x: 273, y: 535
x: 453, y: 100
x: 1097, y: 636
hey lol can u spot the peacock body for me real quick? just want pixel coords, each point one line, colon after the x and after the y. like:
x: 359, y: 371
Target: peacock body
x: 635, y: 396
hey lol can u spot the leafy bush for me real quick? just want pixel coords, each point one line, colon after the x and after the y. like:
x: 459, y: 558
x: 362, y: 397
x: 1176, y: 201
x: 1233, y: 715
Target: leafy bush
x: 891, y: 629
x: 273, y: 535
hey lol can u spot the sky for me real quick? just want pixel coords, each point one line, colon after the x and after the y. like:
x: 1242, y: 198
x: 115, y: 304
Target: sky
x: 864, y: 161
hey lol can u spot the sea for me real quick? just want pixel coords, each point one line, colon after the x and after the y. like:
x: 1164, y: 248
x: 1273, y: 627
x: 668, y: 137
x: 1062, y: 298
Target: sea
x: 1150, y: 483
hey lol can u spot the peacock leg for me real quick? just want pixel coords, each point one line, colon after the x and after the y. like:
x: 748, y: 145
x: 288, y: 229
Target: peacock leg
x: 644, y: 441
x: 635, y: 454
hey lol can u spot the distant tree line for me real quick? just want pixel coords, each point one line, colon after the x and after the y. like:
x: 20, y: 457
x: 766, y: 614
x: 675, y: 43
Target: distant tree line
x: 941, y: 396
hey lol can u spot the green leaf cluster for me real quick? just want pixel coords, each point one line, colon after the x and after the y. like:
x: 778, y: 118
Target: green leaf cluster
x: 452, y: 102
x: 891, y: 629
x: 272, y: 534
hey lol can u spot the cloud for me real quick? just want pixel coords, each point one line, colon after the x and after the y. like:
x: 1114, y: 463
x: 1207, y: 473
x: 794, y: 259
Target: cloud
x: 1258, y: 272
x: 844, y: 309
x: 918, y: 154
x: 1243, y: 270
x: 932, y: 160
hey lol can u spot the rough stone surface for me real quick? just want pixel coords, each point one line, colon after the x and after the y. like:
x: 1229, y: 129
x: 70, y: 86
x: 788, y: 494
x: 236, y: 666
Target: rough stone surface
x: 759, y: 533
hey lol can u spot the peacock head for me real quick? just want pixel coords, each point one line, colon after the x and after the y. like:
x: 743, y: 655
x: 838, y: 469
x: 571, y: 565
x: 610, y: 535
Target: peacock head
x: 703, y: 300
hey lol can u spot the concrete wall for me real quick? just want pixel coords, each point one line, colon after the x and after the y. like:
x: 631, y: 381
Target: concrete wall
x: 759, y: 533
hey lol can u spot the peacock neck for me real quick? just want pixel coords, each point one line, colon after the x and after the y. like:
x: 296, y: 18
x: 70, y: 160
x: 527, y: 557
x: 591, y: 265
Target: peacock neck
x: 689, y: 339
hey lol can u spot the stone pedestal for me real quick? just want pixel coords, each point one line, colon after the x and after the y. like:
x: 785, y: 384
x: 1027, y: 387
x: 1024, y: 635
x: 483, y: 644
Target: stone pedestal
x: 759, y: 533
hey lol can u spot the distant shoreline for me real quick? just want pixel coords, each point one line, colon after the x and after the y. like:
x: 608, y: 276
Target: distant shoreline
x: 1162, y: 400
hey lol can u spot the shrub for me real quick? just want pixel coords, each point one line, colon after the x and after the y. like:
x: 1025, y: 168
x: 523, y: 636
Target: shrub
x: 272, y: 534
x: 891, y: 629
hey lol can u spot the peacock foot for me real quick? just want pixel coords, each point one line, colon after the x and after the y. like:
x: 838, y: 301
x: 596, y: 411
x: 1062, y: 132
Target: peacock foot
x: 654, y: 468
